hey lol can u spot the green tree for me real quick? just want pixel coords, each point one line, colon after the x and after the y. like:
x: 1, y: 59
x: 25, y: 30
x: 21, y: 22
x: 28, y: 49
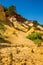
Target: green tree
x: 35, y: 23
x: 12, y: 9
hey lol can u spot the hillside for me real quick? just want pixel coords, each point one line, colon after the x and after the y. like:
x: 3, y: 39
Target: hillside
x: 16, y: 47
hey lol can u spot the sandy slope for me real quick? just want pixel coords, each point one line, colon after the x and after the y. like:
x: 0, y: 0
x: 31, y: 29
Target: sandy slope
x: 21, y: 51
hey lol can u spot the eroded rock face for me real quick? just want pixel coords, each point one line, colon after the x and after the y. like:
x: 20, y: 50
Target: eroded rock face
x: 21, y: 56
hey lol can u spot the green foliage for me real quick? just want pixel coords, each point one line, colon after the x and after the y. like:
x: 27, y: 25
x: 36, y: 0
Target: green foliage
x: 2, y: 27
x: 36, y: 37
x: 2, y: 36
x: 15, y: 33
x: 42, y: 25
x: 35, y: 23
x: 37, y: 40
x: 11, y: 9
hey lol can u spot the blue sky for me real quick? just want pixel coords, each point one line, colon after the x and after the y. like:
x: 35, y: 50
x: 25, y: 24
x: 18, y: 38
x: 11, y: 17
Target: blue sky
x: 30, y: 9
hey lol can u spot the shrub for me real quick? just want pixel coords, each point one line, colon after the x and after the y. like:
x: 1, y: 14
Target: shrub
x: 2, y: 27
x: 15, y: 33
x: 36, y: 37
x: 35, y: 23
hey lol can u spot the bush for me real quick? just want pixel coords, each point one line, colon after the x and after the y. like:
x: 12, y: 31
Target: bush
x: 11, y: 10
x: 35, y: 23
x: 2, y: 27
x: 15, y: 33
x: 36, y: 37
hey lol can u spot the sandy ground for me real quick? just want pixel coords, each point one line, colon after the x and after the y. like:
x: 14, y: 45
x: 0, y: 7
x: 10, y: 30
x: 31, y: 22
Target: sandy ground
x: 21, y: 51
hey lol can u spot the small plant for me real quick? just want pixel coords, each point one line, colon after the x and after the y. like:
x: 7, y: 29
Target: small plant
x: 15, y: 33
x: 2, y: 27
